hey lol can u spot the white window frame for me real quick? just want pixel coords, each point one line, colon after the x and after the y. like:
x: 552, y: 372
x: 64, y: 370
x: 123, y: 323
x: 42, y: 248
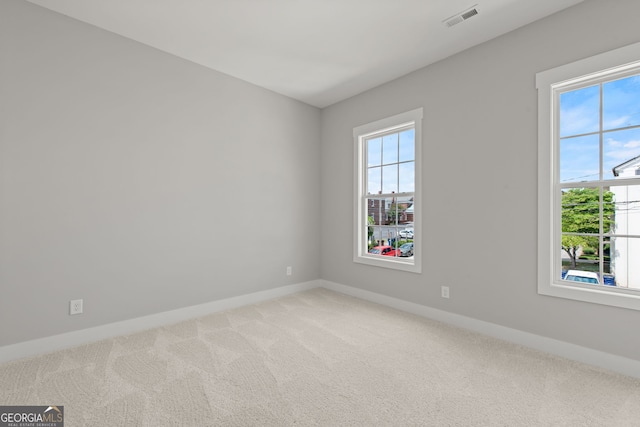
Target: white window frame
x: 608, y: 65
x: 360, y: 135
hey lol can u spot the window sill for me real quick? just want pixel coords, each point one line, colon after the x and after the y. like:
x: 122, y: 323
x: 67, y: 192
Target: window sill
x: 600, y: 294
x: 411, y: 264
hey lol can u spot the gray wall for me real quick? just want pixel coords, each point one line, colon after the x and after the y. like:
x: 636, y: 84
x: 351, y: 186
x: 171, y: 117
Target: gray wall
x: 480, y: 180
x: 141, y: 182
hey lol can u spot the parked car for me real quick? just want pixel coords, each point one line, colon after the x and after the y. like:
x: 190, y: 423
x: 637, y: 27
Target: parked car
x: 607, y: 279
x: 385, y: 250
x: 582, y: 277
x: 406, y: 233
x: 406, y: 249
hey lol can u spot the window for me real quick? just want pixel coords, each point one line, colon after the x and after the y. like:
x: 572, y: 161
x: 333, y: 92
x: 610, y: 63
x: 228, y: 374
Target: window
x: 588, y: 181
x: 387, y: 192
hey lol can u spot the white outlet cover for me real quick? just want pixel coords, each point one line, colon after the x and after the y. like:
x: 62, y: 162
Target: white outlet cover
x: 75, y: 306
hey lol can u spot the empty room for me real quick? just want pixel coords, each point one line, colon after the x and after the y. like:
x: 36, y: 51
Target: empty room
x: 305, y: 212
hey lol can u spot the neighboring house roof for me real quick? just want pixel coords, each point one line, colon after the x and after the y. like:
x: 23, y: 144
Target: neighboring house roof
x: 635, y: 162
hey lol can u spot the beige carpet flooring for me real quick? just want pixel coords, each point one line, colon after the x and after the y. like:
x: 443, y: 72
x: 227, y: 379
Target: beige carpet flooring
x: 317, y: 358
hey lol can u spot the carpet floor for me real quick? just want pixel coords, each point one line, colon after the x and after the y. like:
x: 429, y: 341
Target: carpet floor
x: 317, y: 358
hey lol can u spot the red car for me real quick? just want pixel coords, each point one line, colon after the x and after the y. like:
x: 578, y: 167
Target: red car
x: 385, y: 250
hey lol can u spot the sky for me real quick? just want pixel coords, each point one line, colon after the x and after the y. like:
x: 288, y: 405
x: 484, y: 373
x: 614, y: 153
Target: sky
x: 391, y: 163
x: 580, y: 129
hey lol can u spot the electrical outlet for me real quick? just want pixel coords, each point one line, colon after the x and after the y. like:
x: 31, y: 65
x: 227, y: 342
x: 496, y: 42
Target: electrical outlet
x: 75, y: 306
x: 289, y: 271
x: 445, y: 292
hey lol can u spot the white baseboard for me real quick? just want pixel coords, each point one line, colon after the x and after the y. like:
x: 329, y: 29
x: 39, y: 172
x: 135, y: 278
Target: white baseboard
x: 586, y: 355
x: 619, y: 364
x: 89, y: 335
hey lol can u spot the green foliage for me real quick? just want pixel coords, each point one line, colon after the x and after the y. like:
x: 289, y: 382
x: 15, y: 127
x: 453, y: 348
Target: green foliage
x: 395, y: 211
x: 581, y: 214
x: 370, y: 222
x: 581, y: 210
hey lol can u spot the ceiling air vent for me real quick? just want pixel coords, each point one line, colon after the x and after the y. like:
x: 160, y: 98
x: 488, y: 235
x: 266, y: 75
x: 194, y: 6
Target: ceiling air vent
x: 462, y: 16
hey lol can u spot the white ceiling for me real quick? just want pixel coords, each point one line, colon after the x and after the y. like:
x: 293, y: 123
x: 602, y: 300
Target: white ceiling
x: 317, y: 51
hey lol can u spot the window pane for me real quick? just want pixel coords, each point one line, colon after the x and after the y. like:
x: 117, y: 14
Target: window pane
x: 620, y: 151
x: 583, y: 265
x: 374, y: 180
x: 580, y: 111
x: 607, y: 278
x: 390, y: 148
x: 625, y: 268
x: 383, y: 242
x: 390, y: 221
x: 374, y: 236
x: 625, y: 210
x: 621, y: 105
x: 580, y: 212
x: 390, y: 179
x: 580, y: 159
x: 383, y: 235
x: 407, y: 145
x: 406, y: 249
x: 407, y: 177
x: 382, y: 229
x: 374, y: 152
x: 400, y: 212
x: 585, y: 268
x: 376, y: 211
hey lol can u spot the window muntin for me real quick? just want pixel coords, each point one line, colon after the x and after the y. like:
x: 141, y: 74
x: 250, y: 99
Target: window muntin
x: 387, y: 189
x: 391, y: 167
x: 589, y: 172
